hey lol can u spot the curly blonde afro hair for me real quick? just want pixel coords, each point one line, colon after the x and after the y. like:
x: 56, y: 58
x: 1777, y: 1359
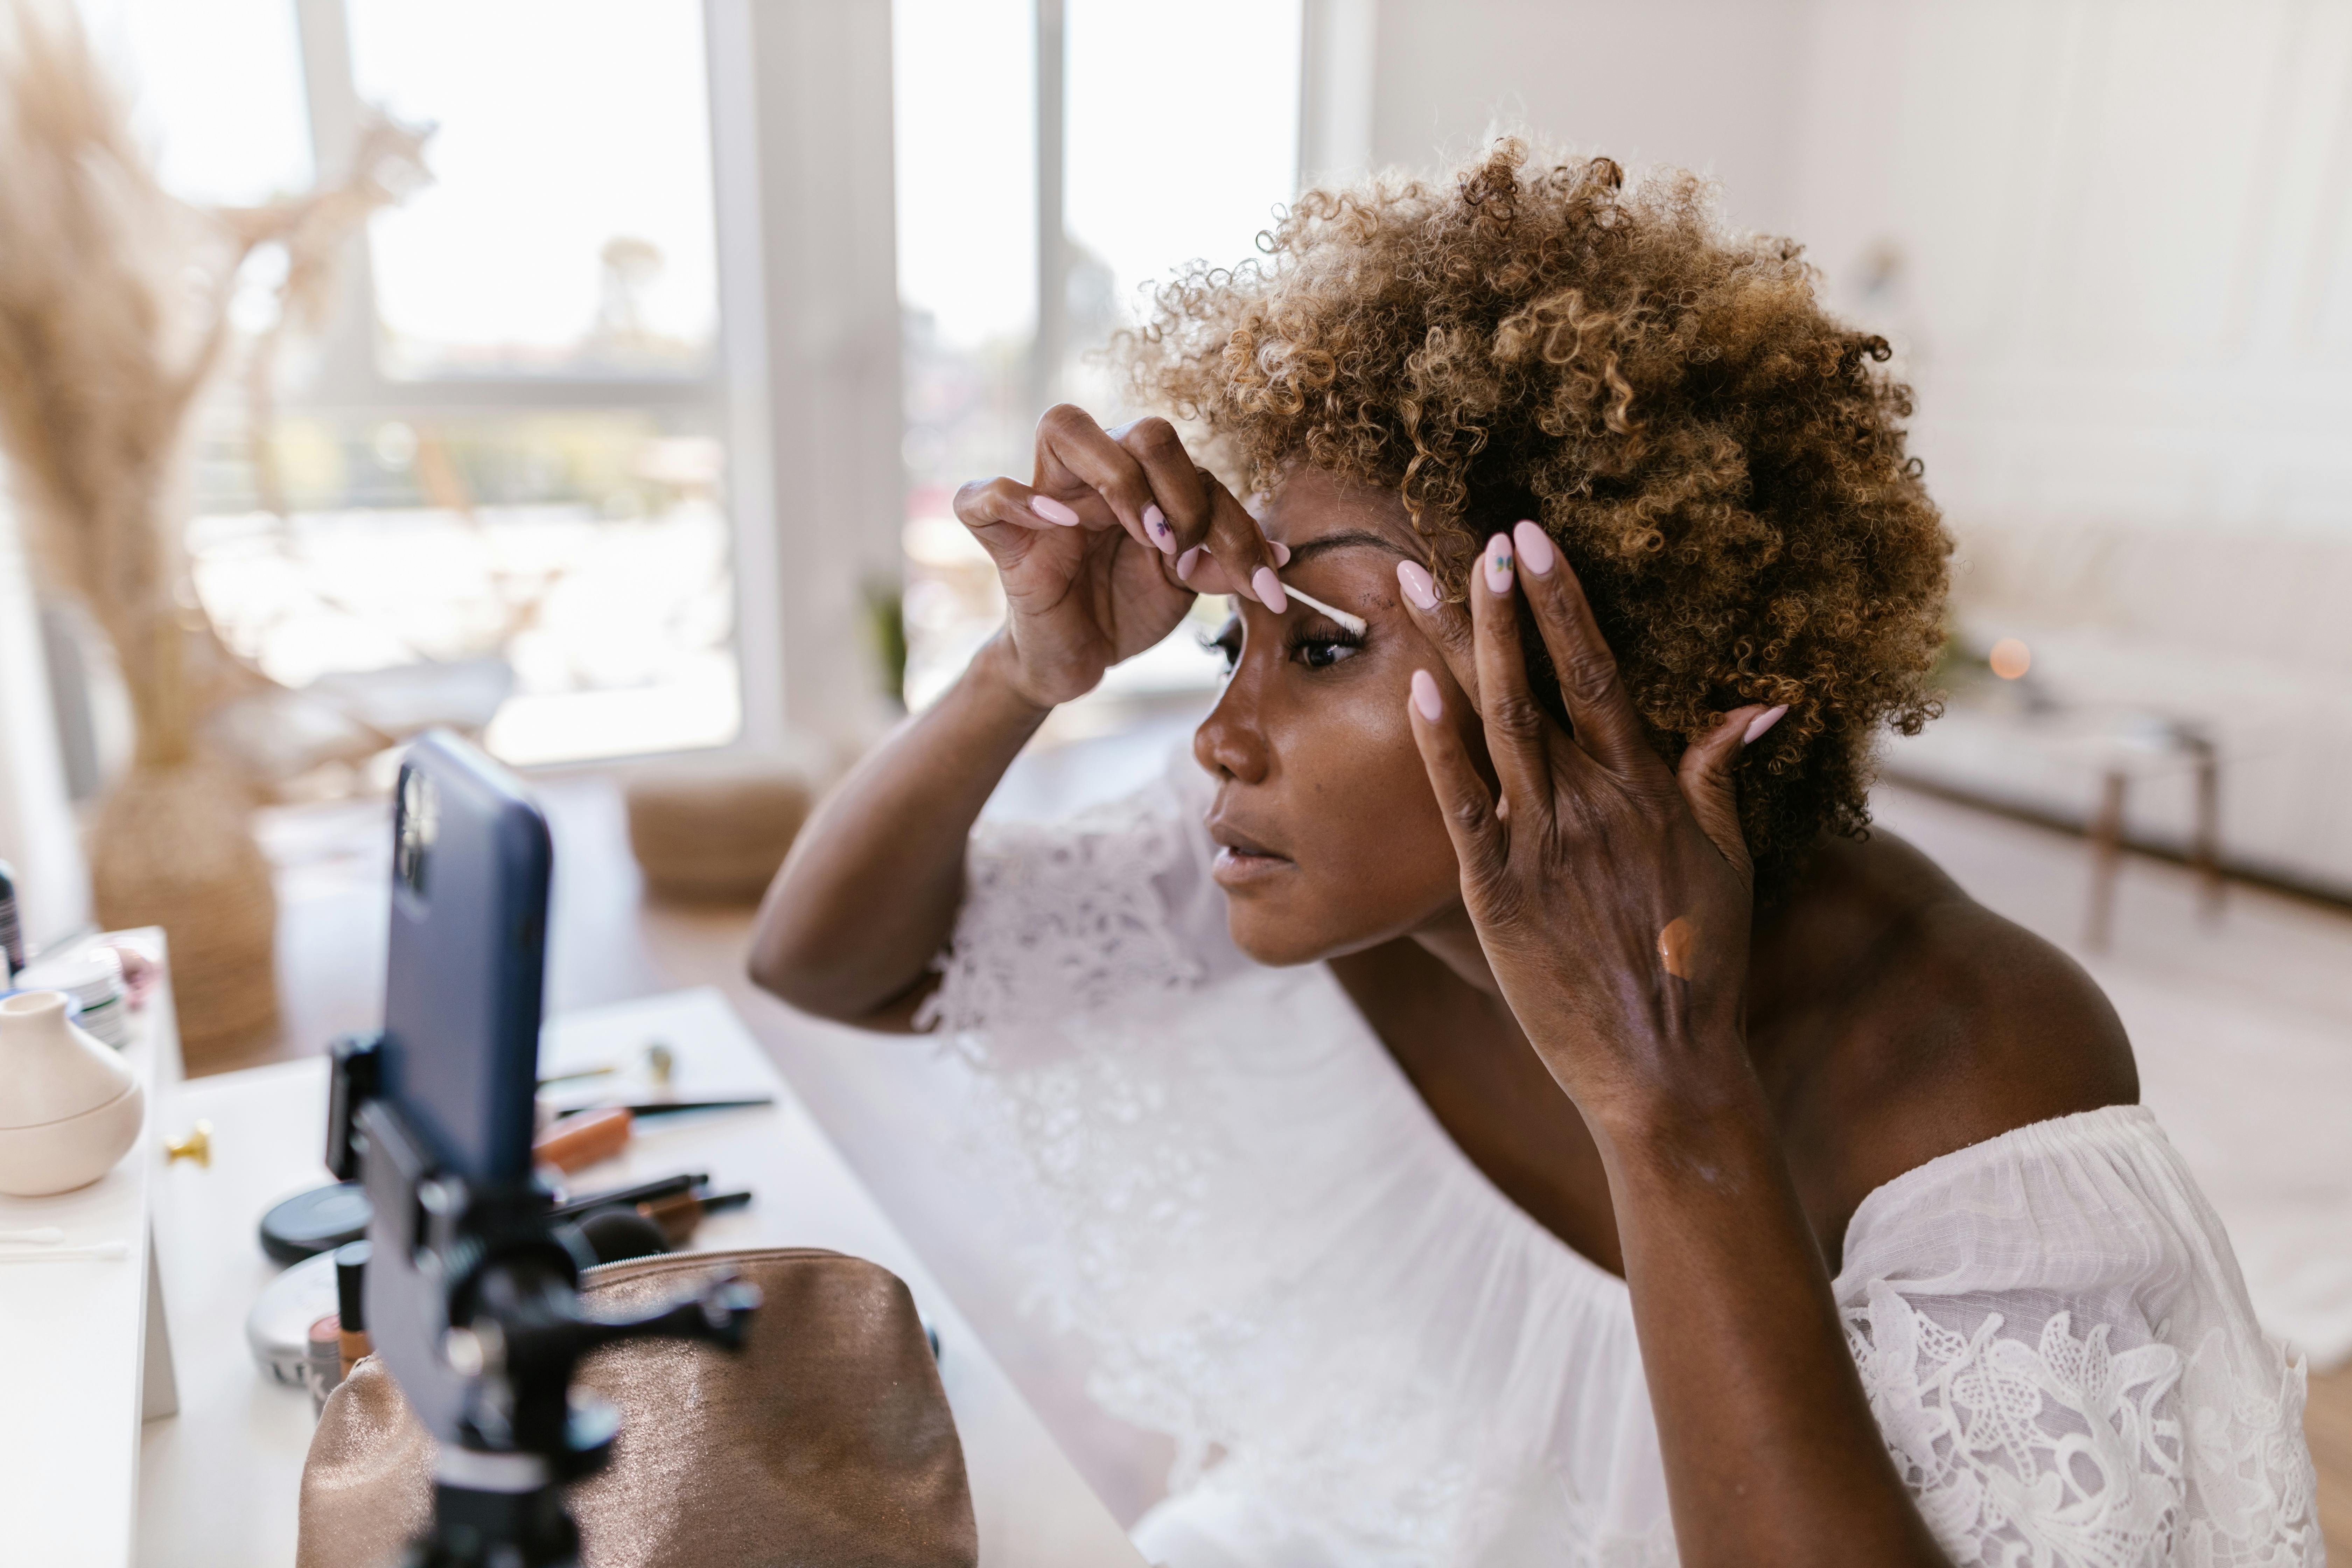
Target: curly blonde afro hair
x: 1721, y: 462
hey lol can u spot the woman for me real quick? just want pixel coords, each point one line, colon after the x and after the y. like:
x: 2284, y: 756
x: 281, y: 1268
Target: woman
x: 1500, y: 1106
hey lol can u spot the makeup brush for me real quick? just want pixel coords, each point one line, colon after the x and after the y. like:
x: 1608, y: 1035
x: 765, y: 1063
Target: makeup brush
x: 679, y: 1216
x: 581, y: 1138
x: 642, y: 1193
x: 1354, y: 625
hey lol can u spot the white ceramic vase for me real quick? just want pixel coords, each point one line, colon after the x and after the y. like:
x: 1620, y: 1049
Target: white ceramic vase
x: 69, y: 1107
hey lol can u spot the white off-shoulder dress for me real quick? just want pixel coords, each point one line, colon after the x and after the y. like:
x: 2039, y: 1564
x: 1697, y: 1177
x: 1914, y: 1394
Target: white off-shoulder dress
x: 1369, y: 1356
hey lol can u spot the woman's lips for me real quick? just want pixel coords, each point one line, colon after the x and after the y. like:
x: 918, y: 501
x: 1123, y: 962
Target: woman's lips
x: 1235, y: 868
x: 1242, y: 861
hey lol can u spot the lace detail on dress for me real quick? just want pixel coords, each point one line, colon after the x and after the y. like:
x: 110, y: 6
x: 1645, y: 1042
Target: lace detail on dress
x: 1062, y: 917
x: 1063, y: 963
x: 2072, y: 1451
x: 1260, y: 1235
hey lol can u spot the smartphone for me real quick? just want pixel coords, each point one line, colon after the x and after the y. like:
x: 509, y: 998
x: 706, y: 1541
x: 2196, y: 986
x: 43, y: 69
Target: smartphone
x: 470, y: 860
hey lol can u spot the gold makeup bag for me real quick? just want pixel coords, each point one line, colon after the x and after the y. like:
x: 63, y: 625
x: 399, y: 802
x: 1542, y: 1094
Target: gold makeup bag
x: 826, y: 1442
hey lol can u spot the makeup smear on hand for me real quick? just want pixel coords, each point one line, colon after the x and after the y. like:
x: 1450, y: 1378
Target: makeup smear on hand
x: 1678, y: 947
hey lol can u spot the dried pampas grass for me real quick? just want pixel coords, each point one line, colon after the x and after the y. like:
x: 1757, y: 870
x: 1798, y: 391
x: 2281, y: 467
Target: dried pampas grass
x: 100, y: 356
x: 113, y: 315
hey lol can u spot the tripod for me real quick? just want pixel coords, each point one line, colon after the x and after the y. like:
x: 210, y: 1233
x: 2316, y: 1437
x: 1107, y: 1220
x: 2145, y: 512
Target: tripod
x: 473, y: 1301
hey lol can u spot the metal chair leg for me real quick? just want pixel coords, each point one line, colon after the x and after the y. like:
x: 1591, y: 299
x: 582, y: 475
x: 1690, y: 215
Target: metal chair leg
x: 2107, y: 857
x: 2205, y: 850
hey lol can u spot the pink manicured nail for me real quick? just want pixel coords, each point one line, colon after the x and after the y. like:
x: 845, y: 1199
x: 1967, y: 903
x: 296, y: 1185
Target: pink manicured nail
x: 1418, y: 589
x: 1155, y: 524
x: 1053, y: 510
x: 1425, y: 697
x: 1281, y: 552
x: 1269, y: 590
x: 1498, y: 564
x: 1761, y: 722
x: 1535, y: 549
x: 1187, y: 563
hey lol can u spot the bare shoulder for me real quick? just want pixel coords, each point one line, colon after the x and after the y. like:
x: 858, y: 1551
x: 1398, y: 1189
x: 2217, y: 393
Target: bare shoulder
x: 1952, y: 1024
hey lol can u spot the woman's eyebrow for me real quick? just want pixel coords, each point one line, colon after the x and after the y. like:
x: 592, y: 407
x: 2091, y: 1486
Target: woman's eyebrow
x: 1352, y: 539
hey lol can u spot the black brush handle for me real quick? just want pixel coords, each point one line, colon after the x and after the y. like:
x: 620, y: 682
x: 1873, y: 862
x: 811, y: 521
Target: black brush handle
x: 644, y: 1192
x: 672, y: 1106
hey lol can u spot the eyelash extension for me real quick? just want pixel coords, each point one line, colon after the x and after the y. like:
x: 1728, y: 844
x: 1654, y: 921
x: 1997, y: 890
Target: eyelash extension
x: 1301, y: 632
x: 1225, y: 643
x: 1297, y: 639
x: 1304, y: 633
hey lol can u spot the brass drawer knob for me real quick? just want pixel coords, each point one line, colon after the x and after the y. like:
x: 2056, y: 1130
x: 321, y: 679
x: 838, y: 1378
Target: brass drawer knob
x: 196, y: 1144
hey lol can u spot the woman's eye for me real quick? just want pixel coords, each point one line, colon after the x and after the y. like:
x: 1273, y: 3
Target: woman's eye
x: 1226, y: 645
x: 1320, y: 654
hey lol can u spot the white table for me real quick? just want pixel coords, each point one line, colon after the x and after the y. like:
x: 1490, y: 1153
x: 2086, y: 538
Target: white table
x: 82, y: 1355
x: 219, y: 1479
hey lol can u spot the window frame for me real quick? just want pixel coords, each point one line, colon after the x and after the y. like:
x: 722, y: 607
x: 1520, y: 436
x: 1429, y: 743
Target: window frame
x: 350, y: 380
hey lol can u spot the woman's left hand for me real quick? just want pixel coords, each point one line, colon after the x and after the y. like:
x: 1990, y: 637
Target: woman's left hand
x: 1613, y: 901
x: 1613, y: 897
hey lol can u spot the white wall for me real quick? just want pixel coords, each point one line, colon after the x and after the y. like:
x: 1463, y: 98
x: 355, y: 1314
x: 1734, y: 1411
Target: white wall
x: 2112, y: 238
x: 1710, y: 85
x: 2127, y: 273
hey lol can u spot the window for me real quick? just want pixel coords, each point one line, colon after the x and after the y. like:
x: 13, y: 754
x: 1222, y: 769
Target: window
x: 967, y: 219
x: 1147, y: 189
x: 1143, y: 186
x: 216, y: 92
x: 491, y: 493
x: 568, y: 231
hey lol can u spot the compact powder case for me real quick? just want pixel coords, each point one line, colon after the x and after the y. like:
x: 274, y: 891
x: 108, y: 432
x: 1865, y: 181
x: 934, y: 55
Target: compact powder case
x: 320, y: 1220
x: 278, y: 1329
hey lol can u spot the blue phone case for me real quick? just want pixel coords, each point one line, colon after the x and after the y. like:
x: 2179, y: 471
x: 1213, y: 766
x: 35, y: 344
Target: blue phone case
x: 462, y: 991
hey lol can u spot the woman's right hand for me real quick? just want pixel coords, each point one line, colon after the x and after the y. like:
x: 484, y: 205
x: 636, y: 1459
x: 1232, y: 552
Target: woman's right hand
x: 1103, y: 553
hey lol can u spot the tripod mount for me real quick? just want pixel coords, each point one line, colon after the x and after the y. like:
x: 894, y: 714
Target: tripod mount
x: 472, y: 1297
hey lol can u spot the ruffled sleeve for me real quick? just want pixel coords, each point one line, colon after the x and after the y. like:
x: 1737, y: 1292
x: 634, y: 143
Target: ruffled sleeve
x: 2059, y: 1350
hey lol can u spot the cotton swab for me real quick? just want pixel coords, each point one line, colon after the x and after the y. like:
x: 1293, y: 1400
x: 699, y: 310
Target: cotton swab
x: 44, y: 1236
x: 1354, y: 625
x: 106, y: 1250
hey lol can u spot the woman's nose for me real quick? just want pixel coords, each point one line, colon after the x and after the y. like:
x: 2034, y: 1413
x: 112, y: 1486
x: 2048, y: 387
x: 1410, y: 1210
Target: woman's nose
x: 1228, y: 743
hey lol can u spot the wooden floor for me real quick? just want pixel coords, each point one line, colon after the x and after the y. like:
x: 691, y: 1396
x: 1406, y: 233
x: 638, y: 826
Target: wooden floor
x: 2329, y: 1423
x: 608, y: 944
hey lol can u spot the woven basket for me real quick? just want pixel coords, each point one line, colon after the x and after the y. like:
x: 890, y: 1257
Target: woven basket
x: 173, y: 846
x: 715, y: 832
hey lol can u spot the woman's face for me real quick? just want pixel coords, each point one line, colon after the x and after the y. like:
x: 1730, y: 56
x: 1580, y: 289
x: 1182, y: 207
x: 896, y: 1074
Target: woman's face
x: 1330, y: 839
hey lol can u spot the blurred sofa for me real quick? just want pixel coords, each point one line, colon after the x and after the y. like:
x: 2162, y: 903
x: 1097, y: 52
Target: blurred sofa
x: 2133, y: 631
